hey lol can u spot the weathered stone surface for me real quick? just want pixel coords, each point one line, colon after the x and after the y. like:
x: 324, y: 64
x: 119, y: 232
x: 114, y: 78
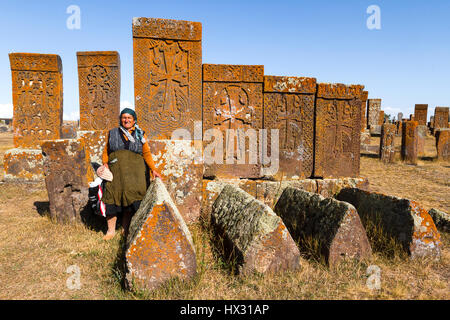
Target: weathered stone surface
x: 375, y: 130
x: 440, y: 219
x: 443, y: 144
x: 289, y: 107
x: 181, y: 168
x: 370, y: 149
x: 334, y: 224
x: 270, y: 191
x: 421, y: 136
x: 212, y: 188
x: 37, y: 98
x: 365, y: 137
x: 253, y: 232
x: 167, y: 75
x: 399, y: 128
x: 65, y: 179
x: 364, y: 96
x: 99, y: 87
x: 441, y: 115
x: 337, y: 139
x: 402, y: 219
x: 400, y: 116
x: 69, y: 130
x: 330, y: 187
x: 381, y: 118
x: 420, y: 114
x: 159, y: 246
x: 387, y: 147
x: 233, y: 109
x: 94, y: 142
x: 409, y: 142
x: 373, y: 111
x: 23, y: 165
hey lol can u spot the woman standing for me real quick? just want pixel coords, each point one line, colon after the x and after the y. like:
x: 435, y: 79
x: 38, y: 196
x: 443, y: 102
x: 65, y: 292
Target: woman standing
x: 126, y: 154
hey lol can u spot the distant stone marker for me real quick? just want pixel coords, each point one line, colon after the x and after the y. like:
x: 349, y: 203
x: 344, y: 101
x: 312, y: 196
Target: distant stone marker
x: 99, y: 87
x: 253, y: 232
x: 335, y: 225
x: 37, y: 98
x: 159, y: 246
x: 402, y: 219
x: 337, y: 136
x: 420, y: 114
x: 233, y: 99
x: 373, y: 111
x: 410, y: 135
x: 441, y: 115
x: 387, y: 146
x: 289, y: 107
x: 167, y: 75
x: 65, y: 179
x: 364, y: 96
x: 443, y: 144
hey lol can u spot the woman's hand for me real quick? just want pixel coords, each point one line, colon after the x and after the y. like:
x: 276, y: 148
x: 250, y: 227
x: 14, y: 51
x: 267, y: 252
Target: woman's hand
x: 156, y: 174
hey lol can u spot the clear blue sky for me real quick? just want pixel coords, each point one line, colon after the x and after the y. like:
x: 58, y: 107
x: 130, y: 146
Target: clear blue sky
x: 406, y: 62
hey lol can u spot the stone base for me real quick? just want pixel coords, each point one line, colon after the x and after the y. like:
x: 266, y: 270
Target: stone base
x: 23, y: 165
x: 180, y: 164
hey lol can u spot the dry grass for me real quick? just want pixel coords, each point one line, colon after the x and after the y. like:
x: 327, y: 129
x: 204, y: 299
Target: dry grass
x: 36, y: 252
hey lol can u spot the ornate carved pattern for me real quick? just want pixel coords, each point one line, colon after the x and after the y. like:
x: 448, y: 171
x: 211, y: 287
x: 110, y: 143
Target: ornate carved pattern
x: 441, y: 117
x: 420, y: 114
x: 167, y: 79
x: 373, y: 111
x: 99, y: 83
x: 37, y: 99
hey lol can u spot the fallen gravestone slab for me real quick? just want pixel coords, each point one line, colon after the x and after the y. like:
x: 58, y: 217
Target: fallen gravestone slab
x: 401, y: 219
x: 441, y: 219
x: 159, y: 246
x: 335, y: 225
x: 254, y: 235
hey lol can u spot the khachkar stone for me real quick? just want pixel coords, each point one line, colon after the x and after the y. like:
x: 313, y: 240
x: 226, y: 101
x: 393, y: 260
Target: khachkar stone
x: 335, y: 225
x: 364, y: 96
x: 94, y: 142
x: 443, y: 144
x: 289, y: 107
x: 37, y: 98
x: 373, y: 111
x: 387, y: 147
x: 421, y: 136
x: 232, y: 119
x: 420, y: 114
x: 65, y: 179
x: 23, y: 165
x: 402, y: 219
x: 441, y: 115
x: 159, y: 246
x: 255, y: 238
x: 167, y: 75
x: 410, y: 135
x: 99, y: 87
x: 338, y: 122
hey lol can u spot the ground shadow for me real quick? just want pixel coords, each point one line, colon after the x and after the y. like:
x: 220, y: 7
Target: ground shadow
x: 370, y: 155
x: 43, y: 208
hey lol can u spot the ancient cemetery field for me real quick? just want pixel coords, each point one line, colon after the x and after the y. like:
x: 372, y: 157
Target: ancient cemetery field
x: 40, y: 259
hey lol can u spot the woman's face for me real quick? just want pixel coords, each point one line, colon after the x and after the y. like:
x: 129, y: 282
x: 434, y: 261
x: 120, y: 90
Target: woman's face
x: 127, y: 121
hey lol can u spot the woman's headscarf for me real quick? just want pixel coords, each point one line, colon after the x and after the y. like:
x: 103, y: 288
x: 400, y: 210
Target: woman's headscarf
x: 139, y: 131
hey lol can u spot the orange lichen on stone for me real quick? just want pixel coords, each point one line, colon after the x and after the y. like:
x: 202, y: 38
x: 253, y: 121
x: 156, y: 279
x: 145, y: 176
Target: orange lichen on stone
x: 94, y: 142
x: 420, y: 114
x: 159, y: 246
x: 99, y: 86
x: 23, y: 164
x: 443, y: 144
x: 37, y: 98
x: 410, y: 136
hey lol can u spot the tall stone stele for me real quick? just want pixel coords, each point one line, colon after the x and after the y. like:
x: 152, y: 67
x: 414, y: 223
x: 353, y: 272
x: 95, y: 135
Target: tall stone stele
x: 443, y: 144
x: 387, y: 147
x: 420, y: 114
x: 338, y: 128
x: 373, y: 111
x: 167, y: 58
x: 99, y: 87
x: 289, y: 108
x: 441, y: 115
x: 410, y: 136
x: 37, y: 98
x: 232, y: 119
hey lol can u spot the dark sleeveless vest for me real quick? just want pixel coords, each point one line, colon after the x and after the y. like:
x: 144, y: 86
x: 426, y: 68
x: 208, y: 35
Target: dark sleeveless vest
x: 117, y: 142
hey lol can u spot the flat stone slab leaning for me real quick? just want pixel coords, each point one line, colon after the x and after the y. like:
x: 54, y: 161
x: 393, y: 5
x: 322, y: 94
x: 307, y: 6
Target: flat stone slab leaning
x: 159, y: 246
x: 334, y: 224
x: 255, y: 235
x: 402, y: 219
